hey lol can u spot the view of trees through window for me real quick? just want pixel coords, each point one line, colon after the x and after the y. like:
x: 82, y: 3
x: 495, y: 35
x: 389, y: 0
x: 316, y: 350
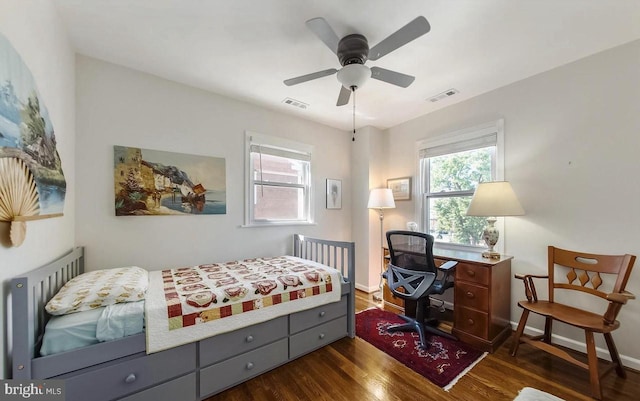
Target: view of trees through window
x: 451, y: 181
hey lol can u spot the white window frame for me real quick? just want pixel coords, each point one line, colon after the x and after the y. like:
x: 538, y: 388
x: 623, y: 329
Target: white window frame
x: 278, y: 146
x: 453, y: 142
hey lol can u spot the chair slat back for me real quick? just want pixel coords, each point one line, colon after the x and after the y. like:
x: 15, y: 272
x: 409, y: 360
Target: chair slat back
x: 585, y: 271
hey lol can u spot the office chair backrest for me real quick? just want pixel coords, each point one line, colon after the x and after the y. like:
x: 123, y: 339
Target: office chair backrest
x: 411, y: 250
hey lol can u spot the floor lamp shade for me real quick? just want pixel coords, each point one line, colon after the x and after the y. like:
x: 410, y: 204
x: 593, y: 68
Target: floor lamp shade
x: 493, y: 199
x: 381, y: 198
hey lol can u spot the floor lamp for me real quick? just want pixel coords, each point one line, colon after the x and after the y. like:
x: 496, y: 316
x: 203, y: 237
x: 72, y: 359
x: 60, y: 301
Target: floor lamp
x: 380, y: 198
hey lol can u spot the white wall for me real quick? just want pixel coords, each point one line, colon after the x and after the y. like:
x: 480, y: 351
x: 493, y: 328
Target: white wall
x: 368, y: 166
x: 36, y: 32
x: 120, y: 106
x: 571, y: 154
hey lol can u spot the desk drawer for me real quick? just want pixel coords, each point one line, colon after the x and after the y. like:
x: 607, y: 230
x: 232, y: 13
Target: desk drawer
x: 474, y: 273
x: 225, y: 374
x: 316, y: 337
x: 129, y: 375
x: 303, y: 320
x: 471, y: 295
x: 471, y: 321
x: 223, y: 346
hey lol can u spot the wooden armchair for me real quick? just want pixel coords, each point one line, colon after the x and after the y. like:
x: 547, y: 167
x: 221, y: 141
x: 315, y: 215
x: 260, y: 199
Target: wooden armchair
x: 584, y: 273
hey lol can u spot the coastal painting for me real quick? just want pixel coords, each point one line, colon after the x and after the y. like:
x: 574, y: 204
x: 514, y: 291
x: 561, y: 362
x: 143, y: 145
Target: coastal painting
x: 154, y: 182
x: 27, y: 141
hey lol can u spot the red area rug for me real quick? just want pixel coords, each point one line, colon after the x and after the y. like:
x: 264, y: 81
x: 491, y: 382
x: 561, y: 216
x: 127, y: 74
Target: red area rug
x: 443, y: 362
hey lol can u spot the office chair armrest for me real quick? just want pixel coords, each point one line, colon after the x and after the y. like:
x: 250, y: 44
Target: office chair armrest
x: 620, y: 297
x: 447, y: 269
x: 448, y: 265
x: 529, y: 287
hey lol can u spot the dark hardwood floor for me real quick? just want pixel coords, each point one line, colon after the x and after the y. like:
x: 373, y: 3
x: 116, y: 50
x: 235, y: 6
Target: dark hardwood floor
x: 353, y: 370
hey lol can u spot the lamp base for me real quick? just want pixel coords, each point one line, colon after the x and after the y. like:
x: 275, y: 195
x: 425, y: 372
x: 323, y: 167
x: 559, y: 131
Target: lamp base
x: 491, y: 255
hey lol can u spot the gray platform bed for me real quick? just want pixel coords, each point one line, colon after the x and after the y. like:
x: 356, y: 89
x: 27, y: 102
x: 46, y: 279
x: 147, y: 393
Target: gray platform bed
x: 121, y: 369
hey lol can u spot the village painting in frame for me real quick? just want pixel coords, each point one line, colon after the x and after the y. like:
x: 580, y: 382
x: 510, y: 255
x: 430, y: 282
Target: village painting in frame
x: 154, y: 182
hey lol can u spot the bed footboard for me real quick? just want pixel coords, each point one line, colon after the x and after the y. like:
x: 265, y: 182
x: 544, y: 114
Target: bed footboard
x: 337, y: 254
x: 29, y: 295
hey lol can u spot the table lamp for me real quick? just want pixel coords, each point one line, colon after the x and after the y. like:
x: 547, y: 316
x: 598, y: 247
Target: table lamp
x: 490, y: 200
x: 381, y: 198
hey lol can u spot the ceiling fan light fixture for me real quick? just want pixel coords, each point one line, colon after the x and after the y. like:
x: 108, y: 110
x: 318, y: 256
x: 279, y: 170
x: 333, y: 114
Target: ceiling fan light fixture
x: 354, y: 75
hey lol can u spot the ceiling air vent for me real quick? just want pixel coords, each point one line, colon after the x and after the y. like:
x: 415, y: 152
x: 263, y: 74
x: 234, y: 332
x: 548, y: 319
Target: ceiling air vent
x: 295, y: 103
x: 445, y: 94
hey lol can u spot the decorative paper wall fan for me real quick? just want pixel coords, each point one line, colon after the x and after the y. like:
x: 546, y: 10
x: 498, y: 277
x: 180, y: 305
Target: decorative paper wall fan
x: 18, y: 197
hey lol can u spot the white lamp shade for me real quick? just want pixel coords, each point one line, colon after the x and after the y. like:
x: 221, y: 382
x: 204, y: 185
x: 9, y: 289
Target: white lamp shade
x: 381, y: 198
x: 354, y: 75
x: 494, y: 199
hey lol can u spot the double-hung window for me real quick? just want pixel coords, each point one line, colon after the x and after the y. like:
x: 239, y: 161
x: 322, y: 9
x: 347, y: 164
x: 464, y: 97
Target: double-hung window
x: 278, y: 181
x: 451, y: 166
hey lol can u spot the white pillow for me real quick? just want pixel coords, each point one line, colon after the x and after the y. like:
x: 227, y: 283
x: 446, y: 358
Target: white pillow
x: 100, y: 288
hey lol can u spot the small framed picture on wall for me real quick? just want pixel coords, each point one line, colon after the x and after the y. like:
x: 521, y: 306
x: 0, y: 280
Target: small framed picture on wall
x: 401, y: 188
x: 334, y: 194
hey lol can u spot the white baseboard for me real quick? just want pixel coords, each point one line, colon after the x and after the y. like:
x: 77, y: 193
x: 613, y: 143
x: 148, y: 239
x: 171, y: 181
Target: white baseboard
x: 603, y: 353
x: 366, y: 289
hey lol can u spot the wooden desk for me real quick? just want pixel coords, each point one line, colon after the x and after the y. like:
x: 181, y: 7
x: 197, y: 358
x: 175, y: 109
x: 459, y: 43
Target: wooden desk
x: 482, y: 297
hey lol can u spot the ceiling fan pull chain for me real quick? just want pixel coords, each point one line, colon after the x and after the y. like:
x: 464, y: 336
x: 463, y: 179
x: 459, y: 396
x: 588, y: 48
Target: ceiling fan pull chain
x: 353, y: 136
x: 261, y: 177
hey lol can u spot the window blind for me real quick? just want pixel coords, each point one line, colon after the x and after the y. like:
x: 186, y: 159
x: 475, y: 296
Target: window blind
x: 455, y: 147
x: 275, y: 151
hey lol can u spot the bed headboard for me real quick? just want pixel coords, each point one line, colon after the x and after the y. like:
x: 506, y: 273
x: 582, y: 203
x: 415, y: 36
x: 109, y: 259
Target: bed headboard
x: 337, y: 254
x: 29, y: 295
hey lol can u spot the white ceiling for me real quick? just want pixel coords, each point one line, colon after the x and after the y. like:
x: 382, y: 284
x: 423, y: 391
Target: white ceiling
x: 244, y: 49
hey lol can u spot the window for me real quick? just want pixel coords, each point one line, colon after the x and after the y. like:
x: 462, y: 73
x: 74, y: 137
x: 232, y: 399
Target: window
x: 278, y: 181
x: 451, y: 167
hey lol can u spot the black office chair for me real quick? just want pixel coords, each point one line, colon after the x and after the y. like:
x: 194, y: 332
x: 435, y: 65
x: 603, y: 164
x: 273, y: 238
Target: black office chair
x: 412, y: 275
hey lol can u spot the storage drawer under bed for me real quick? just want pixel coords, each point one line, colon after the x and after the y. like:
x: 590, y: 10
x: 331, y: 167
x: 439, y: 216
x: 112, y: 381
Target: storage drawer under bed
x: 119, y: 378
x: 316, y: 337
x: 183, y: 389
x: 228, y: 373
x: 306, y: 319
x: 223, y: 346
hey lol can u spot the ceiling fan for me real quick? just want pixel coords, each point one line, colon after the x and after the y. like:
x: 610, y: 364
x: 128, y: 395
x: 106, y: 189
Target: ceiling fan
x: 353, y: 51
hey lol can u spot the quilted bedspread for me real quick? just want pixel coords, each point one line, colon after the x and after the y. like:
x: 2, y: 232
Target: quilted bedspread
x: 191, y: 303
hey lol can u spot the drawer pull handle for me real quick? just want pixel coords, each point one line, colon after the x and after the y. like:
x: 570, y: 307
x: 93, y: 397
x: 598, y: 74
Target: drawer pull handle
x: 249, y: 365
x: 471, y: 273
x: 471, y: 322
x: 321, y: 336
x: 321, y: 314
x: 470, y: 294
x: 131, y: 378
x: 249, y: 338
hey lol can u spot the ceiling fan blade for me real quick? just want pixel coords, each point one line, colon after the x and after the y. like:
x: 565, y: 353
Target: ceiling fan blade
x: 323, y: 30
x: 399, y: 38
x: 343, y: 97
x: 309, y: 77
x: 392, y: 77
